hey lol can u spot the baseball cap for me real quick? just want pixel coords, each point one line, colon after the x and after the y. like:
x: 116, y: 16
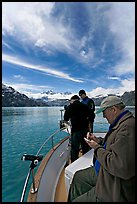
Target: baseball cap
x: 108, y: 102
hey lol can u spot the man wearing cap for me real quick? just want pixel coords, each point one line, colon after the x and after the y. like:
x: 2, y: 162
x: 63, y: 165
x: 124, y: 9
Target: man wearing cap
x: 112, y: 178
x: 88, y: 101
x: 79, y: 115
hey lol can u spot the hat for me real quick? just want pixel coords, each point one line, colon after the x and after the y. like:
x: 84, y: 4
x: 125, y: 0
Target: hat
x: 75, y: 97
x: 82, y: 92
x: 108, y: 102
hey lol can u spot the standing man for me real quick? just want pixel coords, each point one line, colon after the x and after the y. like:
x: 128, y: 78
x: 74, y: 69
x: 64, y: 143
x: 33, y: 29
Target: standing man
x: 88, y: 101
x: 79, y: 116
x: 112, y: 178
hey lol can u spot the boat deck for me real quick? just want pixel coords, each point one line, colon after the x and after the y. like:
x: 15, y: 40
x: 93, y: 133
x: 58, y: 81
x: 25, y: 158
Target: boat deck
x: 61, y: 192
x: 53, y: 179
x: 67, y: 174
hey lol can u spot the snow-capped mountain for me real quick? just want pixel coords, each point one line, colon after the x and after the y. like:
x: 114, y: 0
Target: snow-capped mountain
x: 12, y: 98
x: 51, y: 95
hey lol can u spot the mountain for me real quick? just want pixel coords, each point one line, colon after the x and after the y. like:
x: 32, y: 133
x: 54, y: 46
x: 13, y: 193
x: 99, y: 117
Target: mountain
x: 128, y: 98
x: 12, y: 98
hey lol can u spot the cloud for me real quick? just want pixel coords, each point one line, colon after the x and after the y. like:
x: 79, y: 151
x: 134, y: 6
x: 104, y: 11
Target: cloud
x: 49, y: 71
x: 33, y: 23
x: 126, y: 85
x: 16, y: 15
x: 101, y: 38
x: 114, y: 78
x: 124, y: 67
x: 19, y: 77
x: 122, y: 26
x: 36, y: 24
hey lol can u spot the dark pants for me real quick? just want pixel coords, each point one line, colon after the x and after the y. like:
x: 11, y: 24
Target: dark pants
x: 77, y: 140
x: 83, y: 184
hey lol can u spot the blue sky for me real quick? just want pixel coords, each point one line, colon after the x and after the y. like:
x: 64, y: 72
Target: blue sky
x: 68, y: 46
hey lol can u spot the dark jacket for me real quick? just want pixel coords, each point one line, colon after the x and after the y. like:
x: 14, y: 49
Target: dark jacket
x: 116, y: 178
x: 79, y: 114
x: 88, y: 101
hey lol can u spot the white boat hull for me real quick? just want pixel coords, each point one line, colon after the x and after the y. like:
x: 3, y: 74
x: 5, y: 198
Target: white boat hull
x: 50, y: 169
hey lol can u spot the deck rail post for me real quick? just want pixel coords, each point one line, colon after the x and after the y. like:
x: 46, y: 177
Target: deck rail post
x: 34, y: 189
x: 34, y: 162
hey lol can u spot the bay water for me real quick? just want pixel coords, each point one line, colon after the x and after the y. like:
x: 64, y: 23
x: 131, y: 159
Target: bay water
x: 24, y: 130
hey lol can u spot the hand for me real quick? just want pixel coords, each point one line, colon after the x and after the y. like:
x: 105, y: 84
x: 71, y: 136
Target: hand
x: 91, y: 136
x: 92, y: 143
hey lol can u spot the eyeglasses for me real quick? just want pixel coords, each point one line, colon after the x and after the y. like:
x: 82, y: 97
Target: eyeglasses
x: 107, y: 108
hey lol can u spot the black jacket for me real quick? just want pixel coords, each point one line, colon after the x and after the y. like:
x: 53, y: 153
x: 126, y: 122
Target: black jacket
x: 79, y: 114
x: 88, y: 101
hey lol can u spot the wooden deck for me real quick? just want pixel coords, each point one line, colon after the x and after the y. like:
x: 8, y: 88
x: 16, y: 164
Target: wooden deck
x: 61, y: 193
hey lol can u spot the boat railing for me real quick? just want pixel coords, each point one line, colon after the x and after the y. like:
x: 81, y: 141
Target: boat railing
x: 35, y: 159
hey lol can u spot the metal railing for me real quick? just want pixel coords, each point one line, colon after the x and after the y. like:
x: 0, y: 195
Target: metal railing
x: 35, y: 159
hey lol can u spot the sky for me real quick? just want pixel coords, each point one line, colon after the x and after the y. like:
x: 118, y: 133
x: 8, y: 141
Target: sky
x: 68, y: 46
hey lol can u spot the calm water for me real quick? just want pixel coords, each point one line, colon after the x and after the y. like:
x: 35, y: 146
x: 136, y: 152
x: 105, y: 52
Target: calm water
x: 24, y: 130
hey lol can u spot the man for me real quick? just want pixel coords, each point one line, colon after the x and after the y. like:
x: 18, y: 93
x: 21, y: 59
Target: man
x: 79, y: 115
x: 88, y: 101
x: 112, y: 178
